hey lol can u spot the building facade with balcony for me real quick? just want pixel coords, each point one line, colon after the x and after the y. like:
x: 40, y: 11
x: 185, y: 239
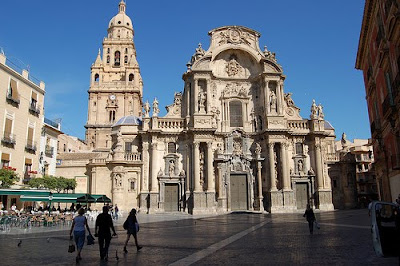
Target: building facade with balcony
x: 21, y: 119
x: 233, y: 140
x: 48, y: 147
x: 378, y: 57
x: 354, y: 182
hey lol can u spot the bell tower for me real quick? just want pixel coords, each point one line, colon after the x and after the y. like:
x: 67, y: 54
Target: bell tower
x: 116, y: 86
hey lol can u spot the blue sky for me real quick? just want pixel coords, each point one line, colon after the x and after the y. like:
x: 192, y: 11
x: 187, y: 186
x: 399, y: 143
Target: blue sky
x: 315, y: 42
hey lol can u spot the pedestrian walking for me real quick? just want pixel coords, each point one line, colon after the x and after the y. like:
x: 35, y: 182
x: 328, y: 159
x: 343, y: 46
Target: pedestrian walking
x: 131, y: 225
x: 102, y: 230
x: 310, y: 217
x: 116, y: 210
x: 78, y: 227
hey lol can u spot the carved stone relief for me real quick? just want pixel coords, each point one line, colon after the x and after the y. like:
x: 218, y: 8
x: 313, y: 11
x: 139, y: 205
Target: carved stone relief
x: 235, y: 90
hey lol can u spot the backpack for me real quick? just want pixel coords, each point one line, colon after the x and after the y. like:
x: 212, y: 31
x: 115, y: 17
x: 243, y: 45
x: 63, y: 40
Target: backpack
x: 126, y: 224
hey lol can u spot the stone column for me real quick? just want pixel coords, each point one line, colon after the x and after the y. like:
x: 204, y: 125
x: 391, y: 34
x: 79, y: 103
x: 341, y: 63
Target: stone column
x: 210, y: 172
x: 154, y: 168
x: 145, y: 173
x: 196, y: 96
x: 318, y: 166
x: 208, y: 89
x: 281, y: 100
x: 196, y: 166
x: 285, y: 172
x: 266, y: 96
x: 272, y: 166
x: 259, y: 181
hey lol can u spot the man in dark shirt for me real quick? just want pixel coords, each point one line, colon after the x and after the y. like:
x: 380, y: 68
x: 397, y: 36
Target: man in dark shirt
x: 102, y: 231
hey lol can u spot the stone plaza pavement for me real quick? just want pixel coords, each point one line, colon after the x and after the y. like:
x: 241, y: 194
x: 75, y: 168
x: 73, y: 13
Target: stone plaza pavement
x: 230, y: 239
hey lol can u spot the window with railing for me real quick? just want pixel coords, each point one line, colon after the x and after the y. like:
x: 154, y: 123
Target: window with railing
x: 12, y: 93
x: 8, y: 137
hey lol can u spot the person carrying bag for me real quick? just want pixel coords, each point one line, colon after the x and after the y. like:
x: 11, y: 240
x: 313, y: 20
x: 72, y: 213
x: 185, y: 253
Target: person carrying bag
x: 78, y: 228
x: 131, y: 225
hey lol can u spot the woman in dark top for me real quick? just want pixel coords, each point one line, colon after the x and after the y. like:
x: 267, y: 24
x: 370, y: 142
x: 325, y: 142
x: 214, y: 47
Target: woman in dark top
x: 309, y: 214
x: 132, y: 228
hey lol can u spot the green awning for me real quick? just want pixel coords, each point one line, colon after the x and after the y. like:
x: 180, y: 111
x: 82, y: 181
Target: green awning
x: 101, y: 198
x: 27, y: 192
x: 34, y: 198
x: 73, y: 197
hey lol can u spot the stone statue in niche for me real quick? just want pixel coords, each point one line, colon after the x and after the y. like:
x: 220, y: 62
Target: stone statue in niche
x: 146, y: 109
x: 272, y: 102
x: 156, y: 110
x: 300, y: 166
x: 118, y: 180
x: 220, y: 148
x: 314, y: 110
x: 171, y: 168
x: 202, y: 101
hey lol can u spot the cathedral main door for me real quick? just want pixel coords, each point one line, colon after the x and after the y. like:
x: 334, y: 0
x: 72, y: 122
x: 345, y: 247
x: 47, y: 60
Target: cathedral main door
x: 239, y: 192
x: 301, y: 195
x: 171, y: 197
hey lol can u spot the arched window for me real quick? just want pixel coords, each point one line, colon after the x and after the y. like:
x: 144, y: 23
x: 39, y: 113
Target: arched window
x: 108, y: 50
x: 117, y: 58
x: 126, y: 50
x: 130, y: 77
x: 108, y: 59
x: 171, y: 147
x: 96, y: 77
x: 126, y: 59
x: 235, y: 110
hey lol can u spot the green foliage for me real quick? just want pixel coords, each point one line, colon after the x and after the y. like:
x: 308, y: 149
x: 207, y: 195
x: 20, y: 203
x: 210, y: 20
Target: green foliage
x: 36, y: 183
x: 53, y: 183
x: 8, y: 178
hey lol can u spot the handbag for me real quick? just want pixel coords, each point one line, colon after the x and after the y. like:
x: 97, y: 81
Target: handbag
x: 71, y: 247
x: 137, y: 227
x: 317, y: 225
x: 90, y: 239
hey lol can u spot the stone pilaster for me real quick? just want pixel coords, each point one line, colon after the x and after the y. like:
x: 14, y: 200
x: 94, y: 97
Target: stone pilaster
x: 154, y: 168
x: 196, y: 166
x: 272, y: 166
x: 259, y: 183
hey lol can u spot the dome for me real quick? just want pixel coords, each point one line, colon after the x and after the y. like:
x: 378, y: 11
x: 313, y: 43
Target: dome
x: 129, y: 120
x: 121, y: 19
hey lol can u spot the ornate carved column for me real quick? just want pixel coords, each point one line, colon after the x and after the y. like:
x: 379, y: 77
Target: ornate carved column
x: 196, y: 96
x: 208, y: 105
x: 145, y: 174
x: 272, y: 166
x: 154, y: 168
x: 196, y: 166
x: 318, y: 166
x: 210, y: 172
x: 266, y: 96
x: 284, y: 162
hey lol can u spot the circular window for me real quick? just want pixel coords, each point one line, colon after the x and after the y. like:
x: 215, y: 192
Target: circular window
x: 127, y: 23
x: 119, y: 22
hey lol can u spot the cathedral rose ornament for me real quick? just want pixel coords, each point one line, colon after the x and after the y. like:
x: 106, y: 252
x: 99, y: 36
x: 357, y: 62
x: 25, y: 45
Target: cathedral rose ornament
x: 233, y: 67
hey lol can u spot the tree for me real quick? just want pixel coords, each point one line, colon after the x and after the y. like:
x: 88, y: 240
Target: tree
x: 71, y: 184
x: 50, y: 182
x: 36, y: 183
x: 61, y: 184
x: 8, y: 178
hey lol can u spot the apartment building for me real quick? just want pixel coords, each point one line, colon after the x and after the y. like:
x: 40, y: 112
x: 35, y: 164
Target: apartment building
x: 21, y: 119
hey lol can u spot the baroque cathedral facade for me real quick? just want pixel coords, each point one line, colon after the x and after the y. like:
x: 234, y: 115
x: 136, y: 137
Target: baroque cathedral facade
x: 233, y: 140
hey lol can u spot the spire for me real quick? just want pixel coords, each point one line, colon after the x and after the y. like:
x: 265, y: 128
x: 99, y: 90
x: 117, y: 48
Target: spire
x: 122, y: 6
x: 98, y: 59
